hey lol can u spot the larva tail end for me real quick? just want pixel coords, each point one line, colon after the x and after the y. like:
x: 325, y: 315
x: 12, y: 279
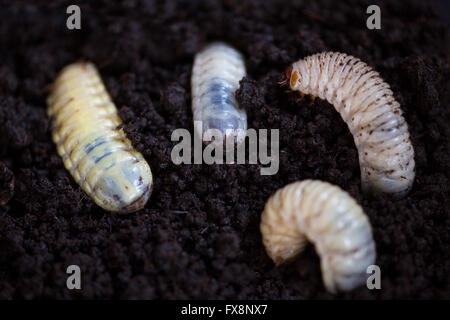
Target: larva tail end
x: 125, y: 187
x: 383, y: 187
x: 139, y: 203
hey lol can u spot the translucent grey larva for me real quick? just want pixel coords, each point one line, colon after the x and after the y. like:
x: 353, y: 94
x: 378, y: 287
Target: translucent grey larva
x: 373, y: 116
x: 217, y: 70
x: 324, y: 214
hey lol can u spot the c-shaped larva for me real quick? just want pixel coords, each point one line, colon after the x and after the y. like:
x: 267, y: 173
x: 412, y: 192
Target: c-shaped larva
x: 93, y: 147
x: 215, y: 77
x: 329, y: 217
x: 366, y: 103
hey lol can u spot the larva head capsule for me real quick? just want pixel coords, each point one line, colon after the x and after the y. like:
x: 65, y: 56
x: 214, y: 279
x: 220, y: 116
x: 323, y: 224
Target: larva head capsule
x: 286, y: 77
x: 294, y: 79
x: 124, y: 187
x: 297, y: 78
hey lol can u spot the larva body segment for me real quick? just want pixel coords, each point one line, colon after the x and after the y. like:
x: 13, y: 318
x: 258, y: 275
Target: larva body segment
x: 324, y: 214
x: 94, y: 149
x: 366, y: 103
x: 217, y: 70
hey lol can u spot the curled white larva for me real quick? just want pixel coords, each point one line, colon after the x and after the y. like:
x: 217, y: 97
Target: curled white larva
x: 94, y: 148
x: 366, y: 103
x: 217, y: 70
x: 324, y: 214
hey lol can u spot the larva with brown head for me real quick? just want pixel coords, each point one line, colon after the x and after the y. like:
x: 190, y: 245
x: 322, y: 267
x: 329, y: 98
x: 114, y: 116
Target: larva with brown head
x: 327, y: 216
x: 366, y: 103
x: 94, y: 148
x: 216, y: 73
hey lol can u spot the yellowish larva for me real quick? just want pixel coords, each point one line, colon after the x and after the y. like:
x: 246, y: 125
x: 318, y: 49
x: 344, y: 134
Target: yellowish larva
x: 366, y: 104
x: 215, y: 77
x: 324, y: 214
x: 96, y: 151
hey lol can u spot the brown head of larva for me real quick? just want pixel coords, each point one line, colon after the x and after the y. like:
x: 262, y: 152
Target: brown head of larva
x: 290, y: 77
x: 285, y: 78
x: 288, y: 72
x: 293, y: 78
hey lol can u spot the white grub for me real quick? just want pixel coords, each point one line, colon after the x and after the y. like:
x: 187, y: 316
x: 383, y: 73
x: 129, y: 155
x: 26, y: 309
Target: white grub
x: 217, y: 70
x: 327, y: 216
x: 366, y: 103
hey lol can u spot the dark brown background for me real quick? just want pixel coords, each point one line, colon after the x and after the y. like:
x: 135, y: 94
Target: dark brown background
x: 198, y: 236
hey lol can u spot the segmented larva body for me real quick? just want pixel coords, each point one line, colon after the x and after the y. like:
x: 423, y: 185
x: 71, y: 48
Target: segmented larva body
x: 215, y: 77
x: 327, y: 216
x: 93, y: 147
x: 366, y: 103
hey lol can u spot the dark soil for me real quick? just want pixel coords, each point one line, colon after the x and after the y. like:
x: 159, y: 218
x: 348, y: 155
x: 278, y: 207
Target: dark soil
x: 198, y: 236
